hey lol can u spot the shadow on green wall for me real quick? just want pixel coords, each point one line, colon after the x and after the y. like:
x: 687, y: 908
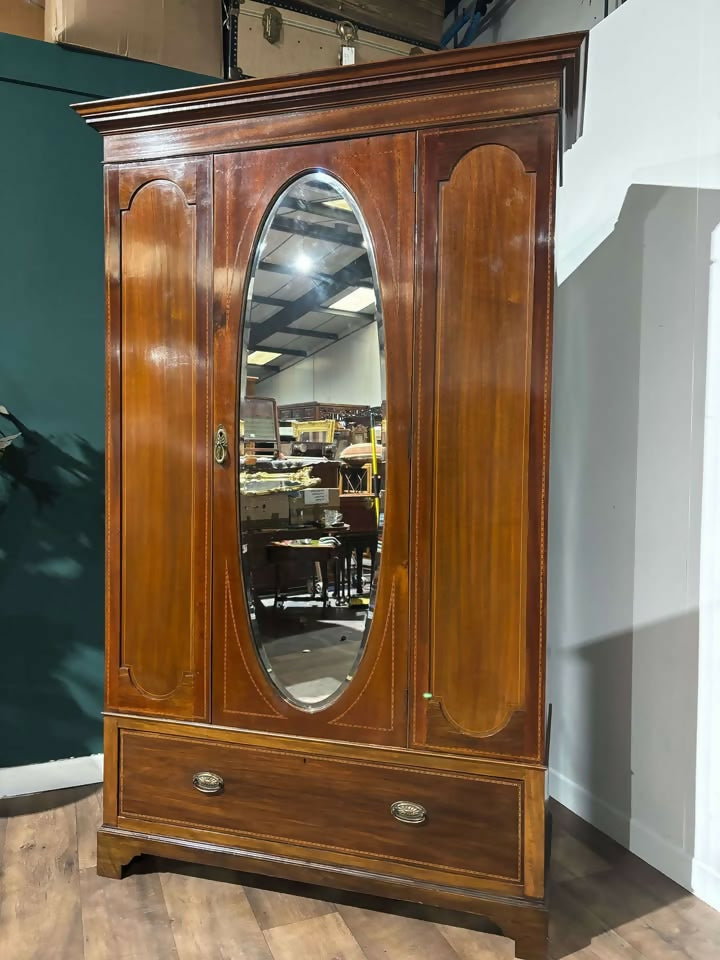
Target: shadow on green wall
x: 51, y: 567
x: 51, y: 376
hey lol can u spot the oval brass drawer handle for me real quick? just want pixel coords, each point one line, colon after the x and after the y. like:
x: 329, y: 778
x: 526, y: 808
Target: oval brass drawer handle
x: 207, y: 782
x: 407, y: 812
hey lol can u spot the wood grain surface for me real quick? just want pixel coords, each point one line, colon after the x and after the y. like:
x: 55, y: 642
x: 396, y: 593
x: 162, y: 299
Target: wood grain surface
x: 482, y: 396
x: 158, y: 581
x: 378, y: 172
x: 473, y: 825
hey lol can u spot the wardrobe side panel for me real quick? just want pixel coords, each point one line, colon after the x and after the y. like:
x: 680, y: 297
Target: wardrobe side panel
x: 481, y: 437
x: 159, y: 219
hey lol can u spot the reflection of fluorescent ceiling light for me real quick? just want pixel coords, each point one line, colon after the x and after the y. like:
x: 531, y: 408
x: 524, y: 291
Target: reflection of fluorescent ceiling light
x: 303, y: 264
x: 338, y: 204
x: 260, y: 357
x: 355, y: 301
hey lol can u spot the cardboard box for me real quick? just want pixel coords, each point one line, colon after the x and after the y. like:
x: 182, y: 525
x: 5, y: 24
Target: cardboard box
x: 309, y: 506
x: 264, y: 510
x: 24, y: 18
x: 177, y: 33
x: 305, y: 43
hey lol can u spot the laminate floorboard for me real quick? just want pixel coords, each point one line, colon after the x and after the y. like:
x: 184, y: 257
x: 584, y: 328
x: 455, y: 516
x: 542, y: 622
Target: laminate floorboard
x: 383, y: 935
x: 606, y: 904
x: 88, y: 817
x: 274, y: 908
x: 211, y: 918
x: 125, y: 920
x: 322, y: 938
x: 40, y: 900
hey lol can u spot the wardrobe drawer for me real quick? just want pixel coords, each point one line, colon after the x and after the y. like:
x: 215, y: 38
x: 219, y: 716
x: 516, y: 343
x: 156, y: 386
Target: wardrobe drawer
x: 468, y: 825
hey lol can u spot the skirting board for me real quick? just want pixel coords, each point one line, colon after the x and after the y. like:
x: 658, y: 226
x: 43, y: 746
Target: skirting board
x: 669, y: 859
x: 706, y: 884
x: 56, y: 775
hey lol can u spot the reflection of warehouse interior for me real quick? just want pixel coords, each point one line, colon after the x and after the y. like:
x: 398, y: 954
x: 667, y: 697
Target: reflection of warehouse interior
x: 312, y: 467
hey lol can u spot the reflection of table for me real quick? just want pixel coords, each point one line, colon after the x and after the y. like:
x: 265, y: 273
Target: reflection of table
x: 259, y: 571
x: 322, y: 554
x: 280, y: 547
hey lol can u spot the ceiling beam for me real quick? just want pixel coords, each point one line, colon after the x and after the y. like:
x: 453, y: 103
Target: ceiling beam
x: 287, y: 351
x: 318, y: 231
x: 331, y: 311
x: 263, y: 367
x: 350, y: 314
x: 287, y: 269
x: 298, y: 331
x: 318, y: 334
x: 269, y: 301
x: 319, y: 208
x: 331, y: 286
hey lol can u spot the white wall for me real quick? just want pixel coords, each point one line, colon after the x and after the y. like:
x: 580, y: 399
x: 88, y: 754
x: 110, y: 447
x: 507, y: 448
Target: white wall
x: 345, y: 372
x: 651, y: 117
x: 625, y: 509
x: 651, y: 112
x: 634, y: 514
x: 706, y: 869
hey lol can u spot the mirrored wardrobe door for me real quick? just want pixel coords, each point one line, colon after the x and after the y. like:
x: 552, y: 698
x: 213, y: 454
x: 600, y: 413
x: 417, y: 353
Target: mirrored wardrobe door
x: 311, y: 409
x: 314, y: 263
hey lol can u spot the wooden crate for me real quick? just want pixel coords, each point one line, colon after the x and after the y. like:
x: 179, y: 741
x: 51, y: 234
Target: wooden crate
x: 305, y: 43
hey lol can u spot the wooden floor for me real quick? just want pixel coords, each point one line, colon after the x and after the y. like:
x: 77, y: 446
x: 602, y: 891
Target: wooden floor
x: 606, y: 905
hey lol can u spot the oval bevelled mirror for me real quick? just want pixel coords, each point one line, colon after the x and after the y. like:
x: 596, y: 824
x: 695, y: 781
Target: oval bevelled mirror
x: 312, y: 440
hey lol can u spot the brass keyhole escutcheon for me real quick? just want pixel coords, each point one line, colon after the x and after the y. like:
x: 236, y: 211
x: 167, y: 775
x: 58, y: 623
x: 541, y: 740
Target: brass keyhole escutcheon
x: 221, y: 445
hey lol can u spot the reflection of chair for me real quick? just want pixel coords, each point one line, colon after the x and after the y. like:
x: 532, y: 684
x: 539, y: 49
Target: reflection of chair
x: 358, y: 543
x: 323, y: 555
x: 261, y: 436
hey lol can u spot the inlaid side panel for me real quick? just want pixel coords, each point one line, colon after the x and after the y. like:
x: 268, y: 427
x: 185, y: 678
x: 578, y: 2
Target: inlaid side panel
x: 160, y: 342
x: 482, y: 378
x: 481, y: 408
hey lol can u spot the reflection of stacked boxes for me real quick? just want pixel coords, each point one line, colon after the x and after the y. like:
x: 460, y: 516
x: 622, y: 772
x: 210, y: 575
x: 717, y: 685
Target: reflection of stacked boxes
x: 296, y: 508
x: 264, y: 510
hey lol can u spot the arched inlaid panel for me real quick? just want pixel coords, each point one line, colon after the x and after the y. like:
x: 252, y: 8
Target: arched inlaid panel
x: 480, y: 432
x: 477, y: 660
x: 162, y: 344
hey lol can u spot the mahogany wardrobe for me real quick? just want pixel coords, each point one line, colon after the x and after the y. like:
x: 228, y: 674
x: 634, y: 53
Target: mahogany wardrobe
x: 329, y: 327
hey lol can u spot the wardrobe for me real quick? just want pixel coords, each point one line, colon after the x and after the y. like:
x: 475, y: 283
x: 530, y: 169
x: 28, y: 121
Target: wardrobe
x: 335, y: 680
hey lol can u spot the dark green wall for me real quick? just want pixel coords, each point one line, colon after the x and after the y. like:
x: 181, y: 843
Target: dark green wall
x: 52, y: 381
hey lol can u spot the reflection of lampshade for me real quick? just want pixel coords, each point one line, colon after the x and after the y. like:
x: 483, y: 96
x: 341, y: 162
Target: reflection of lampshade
x: 362, y: 451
